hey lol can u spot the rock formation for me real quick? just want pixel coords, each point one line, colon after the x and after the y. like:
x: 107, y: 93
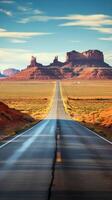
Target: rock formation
x: 86, y: 65
x: 56, y: 62
x: 10, y: 72
x: 90, y: 57
x: 33, y: 63
x: 74, y: 56
x: 93, y: 55
x: 12, y: 120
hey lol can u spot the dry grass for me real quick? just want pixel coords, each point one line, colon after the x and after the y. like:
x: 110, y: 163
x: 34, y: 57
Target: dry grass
x: 32, y: 98
x: 87, y: 89
x: 90, y: 102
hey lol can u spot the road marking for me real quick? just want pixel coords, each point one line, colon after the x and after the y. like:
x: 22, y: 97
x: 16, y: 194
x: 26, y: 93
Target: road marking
x: 92, y: 132
x: 58, y: 137
x: 98, y: 135
x: 3, y: 145
x: 58, y: 157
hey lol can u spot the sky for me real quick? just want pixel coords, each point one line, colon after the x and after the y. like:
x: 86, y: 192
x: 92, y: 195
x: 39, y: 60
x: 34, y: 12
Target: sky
x: 47, y: 28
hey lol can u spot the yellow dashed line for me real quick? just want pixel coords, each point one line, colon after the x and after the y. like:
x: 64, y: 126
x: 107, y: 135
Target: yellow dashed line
x: 58, y: 157
x: 58, y: 137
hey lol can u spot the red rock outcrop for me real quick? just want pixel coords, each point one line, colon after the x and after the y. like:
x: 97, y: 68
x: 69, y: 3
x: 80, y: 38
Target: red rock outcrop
x: 92, y: 73
x: 73, y: 56
x: 86, y: 65
x: 94, y: 55
x: 90, y: 57
x: 33, y: 63
x: 56, y: 62
x: 12, y: 120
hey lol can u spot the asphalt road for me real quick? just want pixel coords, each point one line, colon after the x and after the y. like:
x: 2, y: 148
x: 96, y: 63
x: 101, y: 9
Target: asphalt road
x: 57, y: 159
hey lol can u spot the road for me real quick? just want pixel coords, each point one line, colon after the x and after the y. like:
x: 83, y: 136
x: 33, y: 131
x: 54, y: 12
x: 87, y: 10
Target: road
x: 57, y: 159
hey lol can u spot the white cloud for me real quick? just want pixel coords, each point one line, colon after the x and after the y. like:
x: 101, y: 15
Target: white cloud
x: 6, y: 34
x: 2, y: 30
x: 38, y: 12
x: 20, y: 58
x: 40, y: 18
x: 13, y: 58
x: 23, y: 8
x: 7, y: 1
x: 108, y: 57
x: 95, y: 20
x: 88, y: 20
x: 102, y: 29
x: 18, y: 41
x: 86, y: 17
x: 27, y: 9
x: 6, y: 12
x: 105, y: 38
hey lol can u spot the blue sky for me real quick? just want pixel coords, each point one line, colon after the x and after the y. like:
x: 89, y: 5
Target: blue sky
x: 45, y: 28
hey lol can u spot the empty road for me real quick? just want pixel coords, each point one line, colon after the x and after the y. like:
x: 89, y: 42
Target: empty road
x: 57, y: 159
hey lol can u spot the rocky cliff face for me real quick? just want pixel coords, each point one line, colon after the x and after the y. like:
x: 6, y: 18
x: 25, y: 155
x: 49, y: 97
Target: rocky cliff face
x: 56, y: 62
x: 33, y: 63
x: 86, y: 65
x: 94, y: 55
x: 74, y: 56
x: 12, y: 120
x: 93, y: 73
x: 90, y: 57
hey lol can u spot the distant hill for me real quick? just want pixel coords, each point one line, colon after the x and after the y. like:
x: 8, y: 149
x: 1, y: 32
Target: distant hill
x: 86, y: 65
x: 10, y: 72
x: 2, y: 75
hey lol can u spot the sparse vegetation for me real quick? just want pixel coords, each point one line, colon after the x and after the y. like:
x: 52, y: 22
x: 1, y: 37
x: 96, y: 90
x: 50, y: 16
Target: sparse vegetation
x: 90, y: 103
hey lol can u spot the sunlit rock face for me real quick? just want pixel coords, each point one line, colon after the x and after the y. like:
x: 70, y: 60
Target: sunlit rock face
x: 94, y: 55
x: 90, y: 56
x: 12, y: 120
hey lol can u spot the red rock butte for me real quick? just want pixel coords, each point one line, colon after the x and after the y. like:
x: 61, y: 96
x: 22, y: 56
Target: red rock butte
x: 86, y: 65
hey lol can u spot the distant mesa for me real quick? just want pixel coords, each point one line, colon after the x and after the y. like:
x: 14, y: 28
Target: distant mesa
x: 10, y: 72
x: 86, y: 65
x: 90, y: 57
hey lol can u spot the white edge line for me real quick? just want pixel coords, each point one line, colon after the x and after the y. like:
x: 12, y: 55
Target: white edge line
x: 96, y: 133
x: 3, y: 145
x: 101, y: 137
